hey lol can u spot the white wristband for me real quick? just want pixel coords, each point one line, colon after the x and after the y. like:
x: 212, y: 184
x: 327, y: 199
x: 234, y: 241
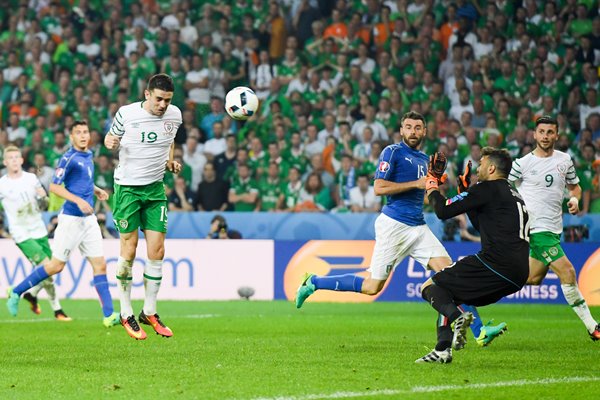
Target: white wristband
x: 575, y: 199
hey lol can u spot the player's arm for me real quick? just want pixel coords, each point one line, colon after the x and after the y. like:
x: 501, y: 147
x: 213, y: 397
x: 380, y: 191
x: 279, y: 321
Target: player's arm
x: 56, y: 186
x: 462, y: 203
x: 112, y: 139
x: 387, y: 188
x: 62, y: 191
x: 383, y: 185
x: 100, y: 193
x: 173, y: 165
x: 575, y: 195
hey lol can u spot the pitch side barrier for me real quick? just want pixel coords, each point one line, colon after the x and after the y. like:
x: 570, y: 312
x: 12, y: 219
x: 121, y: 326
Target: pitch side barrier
x: 311, y: 226
x: 200, y: 269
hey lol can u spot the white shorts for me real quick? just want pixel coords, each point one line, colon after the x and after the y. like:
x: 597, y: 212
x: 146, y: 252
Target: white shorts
x: 72, y: 232
x: 395, y: 240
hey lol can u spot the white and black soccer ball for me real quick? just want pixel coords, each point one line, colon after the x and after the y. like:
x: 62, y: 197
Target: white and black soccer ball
x: 241, y: 103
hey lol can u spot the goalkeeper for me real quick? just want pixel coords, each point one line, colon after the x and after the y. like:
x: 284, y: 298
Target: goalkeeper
x: 501, y: 268
x: 400, y: 229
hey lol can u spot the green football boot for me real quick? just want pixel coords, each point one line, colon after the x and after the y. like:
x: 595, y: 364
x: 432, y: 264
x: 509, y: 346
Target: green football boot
x: 12, y: 302
x: 490, y: 332
x: 305, y: 289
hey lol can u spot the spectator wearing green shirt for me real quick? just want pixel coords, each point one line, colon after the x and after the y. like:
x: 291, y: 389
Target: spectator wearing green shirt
x: 243, y: 194
x: 581, y: 25
x: 595, y: 191
x: 270, y: 188
x: 290, y: 195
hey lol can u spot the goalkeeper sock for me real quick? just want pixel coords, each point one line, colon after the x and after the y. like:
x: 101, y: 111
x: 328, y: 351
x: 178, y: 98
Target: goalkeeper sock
x: 341, y: 283
x: 444, y: 333
x: 36, y: 276
x: 101, y: 284
x: 577, y: 302
x: 125, y: 278
x: 476, y: 325
x: 152, y: 280
x: 441, y: 300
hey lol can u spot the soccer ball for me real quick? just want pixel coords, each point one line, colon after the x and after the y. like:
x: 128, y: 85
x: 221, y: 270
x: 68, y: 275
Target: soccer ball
x: 241, y: 103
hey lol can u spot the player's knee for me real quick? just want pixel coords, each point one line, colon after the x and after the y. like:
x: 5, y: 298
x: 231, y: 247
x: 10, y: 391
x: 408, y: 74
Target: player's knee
x: 371, y: 287
x: 535, y: 280
x: 54, y: 267
x: 566, y: 274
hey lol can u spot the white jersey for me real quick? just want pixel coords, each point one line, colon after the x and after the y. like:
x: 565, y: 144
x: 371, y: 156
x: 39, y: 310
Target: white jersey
x: 542, y: 182
x: 18, y: 199
x: 145, y: 143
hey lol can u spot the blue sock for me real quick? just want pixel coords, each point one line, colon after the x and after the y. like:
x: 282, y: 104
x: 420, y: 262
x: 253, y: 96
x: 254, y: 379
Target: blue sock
x: 101, y: 284
x: 342, y: 283
x: 36, y: 276
x: 476, y: 325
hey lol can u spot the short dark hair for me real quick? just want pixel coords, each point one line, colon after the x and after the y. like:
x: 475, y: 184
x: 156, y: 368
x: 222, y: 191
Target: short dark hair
x: 500, y: 158
x: 546, y: 119
x: 412, y: 115
x: 78, y: 122
x: 161, y: 82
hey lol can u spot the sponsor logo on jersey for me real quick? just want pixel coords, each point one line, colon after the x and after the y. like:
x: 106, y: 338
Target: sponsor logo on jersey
x: 384, y: 166
x: 59, y: 172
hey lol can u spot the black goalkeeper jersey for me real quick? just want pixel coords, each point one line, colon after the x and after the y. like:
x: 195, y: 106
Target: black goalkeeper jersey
x: 498, y: 212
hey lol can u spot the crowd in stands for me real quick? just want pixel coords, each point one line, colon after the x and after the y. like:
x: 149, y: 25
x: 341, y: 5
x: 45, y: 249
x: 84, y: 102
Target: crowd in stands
x: 334, y: 79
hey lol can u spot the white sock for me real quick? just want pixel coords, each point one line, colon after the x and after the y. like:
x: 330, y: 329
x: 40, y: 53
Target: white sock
x: 125, y: 278
x: 152, y: 279
x: 578, y: 304
x: 35, y: 290
x: 50, y: 289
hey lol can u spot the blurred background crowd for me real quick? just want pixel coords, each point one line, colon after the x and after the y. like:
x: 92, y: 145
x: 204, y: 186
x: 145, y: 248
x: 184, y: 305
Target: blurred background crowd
x: 334, y: 79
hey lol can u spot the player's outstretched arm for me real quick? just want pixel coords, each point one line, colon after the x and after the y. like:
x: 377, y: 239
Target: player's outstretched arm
x: 61, y: 191
x: 459, y: 204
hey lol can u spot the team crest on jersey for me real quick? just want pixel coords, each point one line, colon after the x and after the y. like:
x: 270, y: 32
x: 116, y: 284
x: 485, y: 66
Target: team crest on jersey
x: 123, y: 224
x: 384, y: 166
x: 169, y: 126
x: 59, y: 172
x: 562, y: 168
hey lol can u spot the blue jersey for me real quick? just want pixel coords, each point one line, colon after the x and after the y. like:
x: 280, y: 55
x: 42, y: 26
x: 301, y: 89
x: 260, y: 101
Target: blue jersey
x: 76, y: 170
x: 400, y: 163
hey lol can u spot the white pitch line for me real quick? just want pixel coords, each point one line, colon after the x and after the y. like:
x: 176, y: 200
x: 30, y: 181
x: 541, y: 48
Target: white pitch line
x: 432, y: 389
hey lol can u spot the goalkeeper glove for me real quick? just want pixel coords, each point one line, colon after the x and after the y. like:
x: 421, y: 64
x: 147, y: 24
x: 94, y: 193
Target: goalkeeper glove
x: 464, y: 180
x: 437, y: 166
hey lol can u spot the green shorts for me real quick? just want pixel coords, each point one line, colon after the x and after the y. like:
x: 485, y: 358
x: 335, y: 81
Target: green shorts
x: 142, y: 207
x: 545, y: 247
x: 36, y: 250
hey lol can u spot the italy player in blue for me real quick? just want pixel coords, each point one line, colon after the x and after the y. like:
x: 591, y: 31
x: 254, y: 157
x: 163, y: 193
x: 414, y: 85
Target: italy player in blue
x: 400, y: 229
x: 77, y: 225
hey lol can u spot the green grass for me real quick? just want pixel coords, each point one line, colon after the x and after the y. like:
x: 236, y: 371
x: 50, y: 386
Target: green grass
x: 249, y: 350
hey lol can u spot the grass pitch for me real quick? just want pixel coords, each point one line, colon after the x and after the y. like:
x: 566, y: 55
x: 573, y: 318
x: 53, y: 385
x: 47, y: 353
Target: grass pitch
x: 269, y: 350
